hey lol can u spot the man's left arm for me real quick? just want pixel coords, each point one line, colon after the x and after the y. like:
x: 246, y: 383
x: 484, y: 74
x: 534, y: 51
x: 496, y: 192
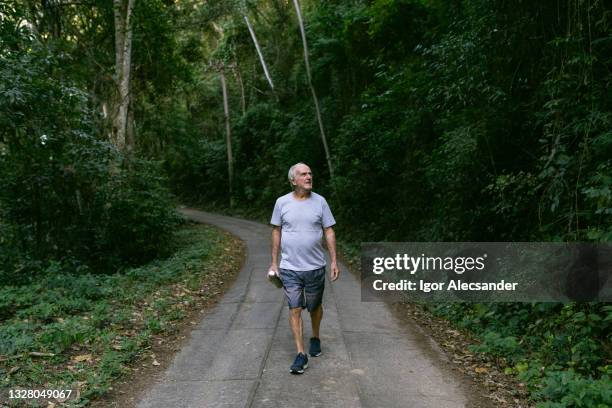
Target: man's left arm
x: 330, y: 238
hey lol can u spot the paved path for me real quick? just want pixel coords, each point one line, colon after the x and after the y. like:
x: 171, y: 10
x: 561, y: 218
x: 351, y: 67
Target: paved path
x: 239, y: 355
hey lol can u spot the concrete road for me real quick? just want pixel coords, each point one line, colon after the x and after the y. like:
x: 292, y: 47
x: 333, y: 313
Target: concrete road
x: 239, y: 354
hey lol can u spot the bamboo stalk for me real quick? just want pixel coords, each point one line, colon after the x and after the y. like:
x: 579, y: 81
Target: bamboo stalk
x: 228, y: 135
x: 261, y: 58
x: 312, y: 89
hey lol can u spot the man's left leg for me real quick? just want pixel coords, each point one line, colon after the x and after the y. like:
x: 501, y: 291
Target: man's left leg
x: 316, y: 316
x: 313, y: 289
x: 315, y: 342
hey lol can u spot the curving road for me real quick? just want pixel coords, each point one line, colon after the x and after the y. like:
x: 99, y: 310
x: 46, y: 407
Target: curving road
x: 239, y: 355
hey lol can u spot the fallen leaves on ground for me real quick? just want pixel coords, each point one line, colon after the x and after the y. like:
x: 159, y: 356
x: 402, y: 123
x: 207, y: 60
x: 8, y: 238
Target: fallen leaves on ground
x: 505, y: 390
x: 82, y: 357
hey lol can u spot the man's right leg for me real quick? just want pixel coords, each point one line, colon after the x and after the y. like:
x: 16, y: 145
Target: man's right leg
x: 297, y: 327
x: 294, y: 290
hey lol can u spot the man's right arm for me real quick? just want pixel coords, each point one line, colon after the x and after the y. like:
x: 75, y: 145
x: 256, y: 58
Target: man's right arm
x: 276, y: 238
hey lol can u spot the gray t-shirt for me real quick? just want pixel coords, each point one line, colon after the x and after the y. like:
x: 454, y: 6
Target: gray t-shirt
x: 302, y: 224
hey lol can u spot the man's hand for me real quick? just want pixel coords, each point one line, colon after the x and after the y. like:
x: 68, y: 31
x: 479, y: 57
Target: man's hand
x: 334, y: 271
x: 273, y: 267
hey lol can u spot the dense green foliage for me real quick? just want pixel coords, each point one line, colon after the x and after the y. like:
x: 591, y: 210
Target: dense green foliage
x: 66, y: 194
x: 568, y: 345
x: 476, y: 120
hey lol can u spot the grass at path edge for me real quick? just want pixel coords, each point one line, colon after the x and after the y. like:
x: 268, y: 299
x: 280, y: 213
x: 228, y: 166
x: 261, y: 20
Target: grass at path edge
x: 83, y: 331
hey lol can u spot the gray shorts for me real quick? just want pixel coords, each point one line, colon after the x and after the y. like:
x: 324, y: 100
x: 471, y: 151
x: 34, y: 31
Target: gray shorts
x: 303, y: 288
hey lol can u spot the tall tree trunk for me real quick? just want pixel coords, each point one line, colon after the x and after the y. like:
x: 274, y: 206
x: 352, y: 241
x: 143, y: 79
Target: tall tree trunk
x: 261, y: 58
x: 242, y: 97
x: 312, y: 90
x: 230, y: 160
x: 123, y: 59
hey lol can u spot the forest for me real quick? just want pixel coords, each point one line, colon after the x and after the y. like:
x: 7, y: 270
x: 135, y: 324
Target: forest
x: 423, y: 121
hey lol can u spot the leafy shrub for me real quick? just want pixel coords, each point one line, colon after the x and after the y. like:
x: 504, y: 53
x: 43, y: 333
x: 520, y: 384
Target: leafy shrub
x: 563, y: 389
x: 138, y: 214
x: 57, y: 337
x: 499, y: 346
x: 16, y: 337
x: 561, y: 351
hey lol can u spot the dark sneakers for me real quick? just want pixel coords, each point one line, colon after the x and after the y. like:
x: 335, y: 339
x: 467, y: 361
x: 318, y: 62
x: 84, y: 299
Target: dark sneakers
x: 301, y: 360
x: 315, y: 347
x: 300, y: 364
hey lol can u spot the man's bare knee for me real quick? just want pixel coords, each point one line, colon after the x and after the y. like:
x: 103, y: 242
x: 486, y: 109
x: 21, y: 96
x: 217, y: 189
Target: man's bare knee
x: 316, y: 311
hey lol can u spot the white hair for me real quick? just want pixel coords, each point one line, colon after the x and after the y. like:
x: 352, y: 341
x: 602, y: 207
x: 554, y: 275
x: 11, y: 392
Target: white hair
x: 291, y: 174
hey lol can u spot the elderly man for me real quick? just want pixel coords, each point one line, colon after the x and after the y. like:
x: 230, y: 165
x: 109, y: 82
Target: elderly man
x: 300, y: 219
